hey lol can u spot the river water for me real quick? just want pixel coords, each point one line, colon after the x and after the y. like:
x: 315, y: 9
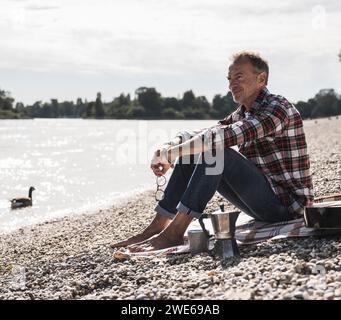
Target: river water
x: 77, y: 165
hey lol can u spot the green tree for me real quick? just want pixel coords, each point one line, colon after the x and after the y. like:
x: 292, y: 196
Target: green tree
x: 79, y: 102
x: 199, y: 108
x: 170, y: 113
x: 68, y: 109
x: 223, y: 106
x: 304, y: 108
x: 19, y: 106
x: 54, y: 108
x: 6, y: 101
x: 37, y: 108
x: 119, y: 107
x: 46, y: 110
x: 326, y: 103
x: 20, y: 110
x: 188, y: 99
x: 171, y: 103
x: 148, y: 103
x: 90, y: 110
x: 80, y: 108
x: 150, y: 100
x: 124, y: 100
x: 99, y: 111
x: 135, y: 112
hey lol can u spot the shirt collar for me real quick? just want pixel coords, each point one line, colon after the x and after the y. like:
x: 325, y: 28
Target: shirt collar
x: 257, y: 103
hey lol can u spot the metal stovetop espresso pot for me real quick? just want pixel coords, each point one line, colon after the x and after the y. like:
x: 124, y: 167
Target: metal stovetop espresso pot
x: 224, y: 227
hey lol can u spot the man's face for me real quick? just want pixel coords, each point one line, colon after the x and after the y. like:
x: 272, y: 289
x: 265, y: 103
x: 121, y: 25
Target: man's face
x: 244, y: 82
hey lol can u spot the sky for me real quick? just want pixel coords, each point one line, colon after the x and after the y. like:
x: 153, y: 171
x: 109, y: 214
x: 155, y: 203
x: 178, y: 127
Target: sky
x: 65, y: 49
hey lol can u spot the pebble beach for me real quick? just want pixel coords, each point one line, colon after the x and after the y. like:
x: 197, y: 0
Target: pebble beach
x: 70, y: 258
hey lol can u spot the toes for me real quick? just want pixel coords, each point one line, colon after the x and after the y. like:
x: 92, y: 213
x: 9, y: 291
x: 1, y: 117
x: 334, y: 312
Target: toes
x: 118, y: 244
x: 135, y: 249
x: 124, y: 243
x: 132, y: 248
x: 139, y: 247
x: 135, y: 246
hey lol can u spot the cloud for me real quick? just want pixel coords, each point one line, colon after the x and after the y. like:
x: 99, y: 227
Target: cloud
x: 38, y: 7
x: 233, y: 8
x: 123, y: 38
x: 161, y: 38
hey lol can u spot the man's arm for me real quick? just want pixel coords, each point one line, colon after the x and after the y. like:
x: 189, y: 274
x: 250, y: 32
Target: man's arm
x: 183, y: 136
x: 266, y: 123
x: 201, y: 142
x: 183, y: 141
x: 160, y: 155
x: 225, y: 136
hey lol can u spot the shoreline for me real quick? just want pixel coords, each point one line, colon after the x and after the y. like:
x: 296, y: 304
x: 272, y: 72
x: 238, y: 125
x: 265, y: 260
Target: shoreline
x: 89, y: 210
x: 69, y: 257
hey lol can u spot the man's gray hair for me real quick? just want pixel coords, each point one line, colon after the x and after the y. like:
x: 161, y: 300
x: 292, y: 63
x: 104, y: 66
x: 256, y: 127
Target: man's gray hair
x: 259, y: 64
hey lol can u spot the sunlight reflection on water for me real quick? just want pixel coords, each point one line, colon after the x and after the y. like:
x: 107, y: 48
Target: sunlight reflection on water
x: 76, y: 165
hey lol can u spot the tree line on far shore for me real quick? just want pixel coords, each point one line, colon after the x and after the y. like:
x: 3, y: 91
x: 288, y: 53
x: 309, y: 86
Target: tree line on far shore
x: 149, y: 104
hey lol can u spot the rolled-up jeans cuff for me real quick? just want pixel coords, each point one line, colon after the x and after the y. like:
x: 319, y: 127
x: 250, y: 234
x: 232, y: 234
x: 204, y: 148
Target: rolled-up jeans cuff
x: 163, y: 212
x: 184, y: 209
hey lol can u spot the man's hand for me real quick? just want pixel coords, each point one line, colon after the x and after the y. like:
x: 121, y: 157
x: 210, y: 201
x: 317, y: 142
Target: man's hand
x: 160, y: 169
x: 160, y: 163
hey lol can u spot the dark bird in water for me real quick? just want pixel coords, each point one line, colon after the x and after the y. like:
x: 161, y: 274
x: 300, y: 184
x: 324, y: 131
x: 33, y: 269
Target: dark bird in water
x: 22, y: 202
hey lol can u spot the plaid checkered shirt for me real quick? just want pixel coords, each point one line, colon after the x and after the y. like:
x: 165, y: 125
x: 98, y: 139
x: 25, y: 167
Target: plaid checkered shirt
x: 271, y: 135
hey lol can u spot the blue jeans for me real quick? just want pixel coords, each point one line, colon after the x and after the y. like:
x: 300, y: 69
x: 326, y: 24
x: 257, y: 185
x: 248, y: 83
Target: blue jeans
x: 190, y: 188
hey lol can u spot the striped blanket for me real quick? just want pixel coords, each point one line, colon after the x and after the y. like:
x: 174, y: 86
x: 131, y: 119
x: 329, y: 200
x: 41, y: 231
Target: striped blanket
x: 250, y: 231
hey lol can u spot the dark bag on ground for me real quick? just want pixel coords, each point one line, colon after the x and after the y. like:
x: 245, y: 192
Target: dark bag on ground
x: 325, y: 213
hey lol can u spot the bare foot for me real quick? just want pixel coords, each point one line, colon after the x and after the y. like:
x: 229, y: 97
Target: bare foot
x: 156, y: 226
x: 157, y: 242
x: 132, y: 240
x: 135, y: 247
